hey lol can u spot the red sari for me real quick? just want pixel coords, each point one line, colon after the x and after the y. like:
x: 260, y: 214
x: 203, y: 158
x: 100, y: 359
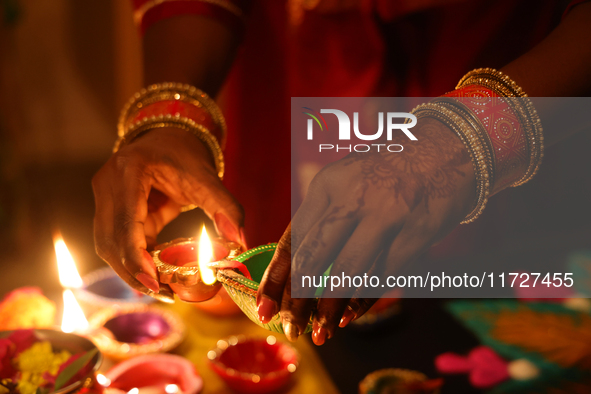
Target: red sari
x: 388, y: 48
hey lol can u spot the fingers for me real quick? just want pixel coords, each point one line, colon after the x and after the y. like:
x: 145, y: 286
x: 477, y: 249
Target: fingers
x: 130, y: 210
x: 181, y: 166
x: 329, y: 314
x: 274, y: 280
x: 218, y: 203
x: 319, y: 249
x: 315, y: 254
x: 141, y: 189
x: 295, y: 313
x: 119, y: 236
x: 356, y: 258
x: 355, y: 309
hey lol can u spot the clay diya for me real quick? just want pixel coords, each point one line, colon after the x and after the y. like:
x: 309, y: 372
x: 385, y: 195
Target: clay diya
x: 103, y: 287
x: 153, y: 374
x: 220, y: 305
x: 254, y: 365
x: 178, y: 265
x: 125, y: 331
x: 243, y: 290
x: 403, y: 381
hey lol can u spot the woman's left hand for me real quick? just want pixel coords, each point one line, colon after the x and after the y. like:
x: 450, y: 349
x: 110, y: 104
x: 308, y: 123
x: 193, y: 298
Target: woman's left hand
x: 369, y: 213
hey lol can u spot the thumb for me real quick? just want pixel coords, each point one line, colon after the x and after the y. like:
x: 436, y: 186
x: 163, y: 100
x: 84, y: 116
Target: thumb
x: 225, y: 211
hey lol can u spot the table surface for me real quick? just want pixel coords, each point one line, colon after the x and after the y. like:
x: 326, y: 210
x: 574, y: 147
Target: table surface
x: 410, y: 340
x: 204, y: 330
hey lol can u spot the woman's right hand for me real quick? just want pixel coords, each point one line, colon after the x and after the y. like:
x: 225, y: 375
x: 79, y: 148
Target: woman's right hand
x: 142, y: 187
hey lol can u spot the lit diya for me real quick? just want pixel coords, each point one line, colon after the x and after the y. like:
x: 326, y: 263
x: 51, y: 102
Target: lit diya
x: 254, y: 365
x: 243, y: 289
x: 103, y: 287
x: 130, y: 330
x: 189, y: 266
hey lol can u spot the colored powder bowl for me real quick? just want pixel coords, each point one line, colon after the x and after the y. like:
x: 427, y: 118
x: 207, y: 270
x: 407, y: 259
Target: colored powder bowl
x: 122, y: 332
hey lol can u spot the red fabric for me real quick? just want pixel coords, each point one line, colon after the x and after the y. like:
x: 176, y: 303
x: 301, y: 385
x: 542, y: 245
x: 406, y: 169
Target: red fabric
x: 508, y: 138
x: 393, y: 48
x: 572, y: 5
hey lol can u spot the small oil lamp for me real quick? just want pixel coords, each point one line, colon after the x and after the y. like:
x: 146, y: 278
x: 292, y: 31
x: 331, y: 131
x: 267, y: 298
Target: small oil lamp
x: 190, y: 267
x: 73, y: 319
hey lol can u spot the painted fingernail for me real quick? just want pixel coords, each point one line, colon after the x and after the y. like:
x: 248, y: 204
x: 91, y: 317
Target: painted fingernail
x: 348, y: 315
x: 266, y: 308
x: 226, y: 228
x: 319, y: 334
x: 148, y: 281
x: 243, y: 239
x: 291, y: 331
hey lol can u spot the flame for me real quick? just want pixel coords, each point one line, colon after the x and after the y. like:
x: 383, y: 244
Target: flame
x: 69, y: 276
x: 205, y: 255
x: 73, y: 319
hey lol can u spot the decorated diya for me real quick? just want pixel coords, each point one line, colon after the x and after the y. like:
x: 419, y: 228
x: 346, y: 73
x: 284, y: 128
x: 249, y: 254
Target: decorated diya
x: 122, y: 332
x: 154, y: 374
x: 398, y: 381
x: 189, y: 265
x: 103, y: 287
x: 254, y: 365
x: 243, y: 290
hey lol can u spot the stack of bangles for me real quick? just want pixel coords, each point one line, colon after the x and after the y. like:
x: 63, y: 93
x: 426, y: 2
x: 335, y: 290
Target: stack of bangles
x: 499, y: 126
x: 174, y: 105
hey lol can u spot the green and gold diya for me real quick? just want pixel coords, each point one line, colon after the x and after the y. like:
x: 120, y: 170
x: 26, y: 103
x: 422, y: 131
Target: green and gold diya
x: 244, y: 291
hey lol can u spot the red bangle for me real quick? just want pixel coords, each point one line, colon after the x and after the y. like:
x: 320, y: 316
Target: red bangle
x: 503, y: 126
x: 148, y: 12
x: 177, y: 109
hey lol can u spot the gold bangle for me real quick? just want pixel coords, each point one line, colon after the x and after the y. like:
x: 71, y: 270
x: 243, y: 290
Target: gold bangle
x: 470, y: 117
x: 476, y: 149
x: 503, y: 80
x: 169, y: 91
x: 201, y: 132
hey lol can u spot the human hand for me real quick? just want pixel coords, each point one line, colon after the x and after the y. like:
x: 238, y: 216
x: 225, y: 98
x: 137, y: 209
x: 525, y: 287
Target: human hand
x: 368, y: 213
x: 142, y: 187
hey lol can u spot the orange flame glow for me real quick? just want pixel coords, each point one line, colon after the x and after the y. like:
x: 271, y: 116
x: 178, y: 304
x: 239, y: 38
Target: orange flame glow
x: 73, y: 319
x: 204, y: 257
x: 69, y: 276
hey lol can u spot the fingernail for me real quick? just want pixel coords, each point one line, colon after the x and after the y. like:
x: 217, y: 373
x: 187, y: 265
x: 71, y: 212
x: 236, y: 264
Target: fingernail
x: 243, y: 239
x: 266, y: 309
x: 291, y: 331
x: 347, y: 317
x: 319, y: 334
x: 148, y: 281
x: 226, y: 228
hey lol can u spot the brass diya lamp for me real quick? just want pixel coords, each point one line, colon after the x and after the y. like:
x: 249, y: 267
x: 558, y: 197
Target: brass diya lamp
x: 189, y: 266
